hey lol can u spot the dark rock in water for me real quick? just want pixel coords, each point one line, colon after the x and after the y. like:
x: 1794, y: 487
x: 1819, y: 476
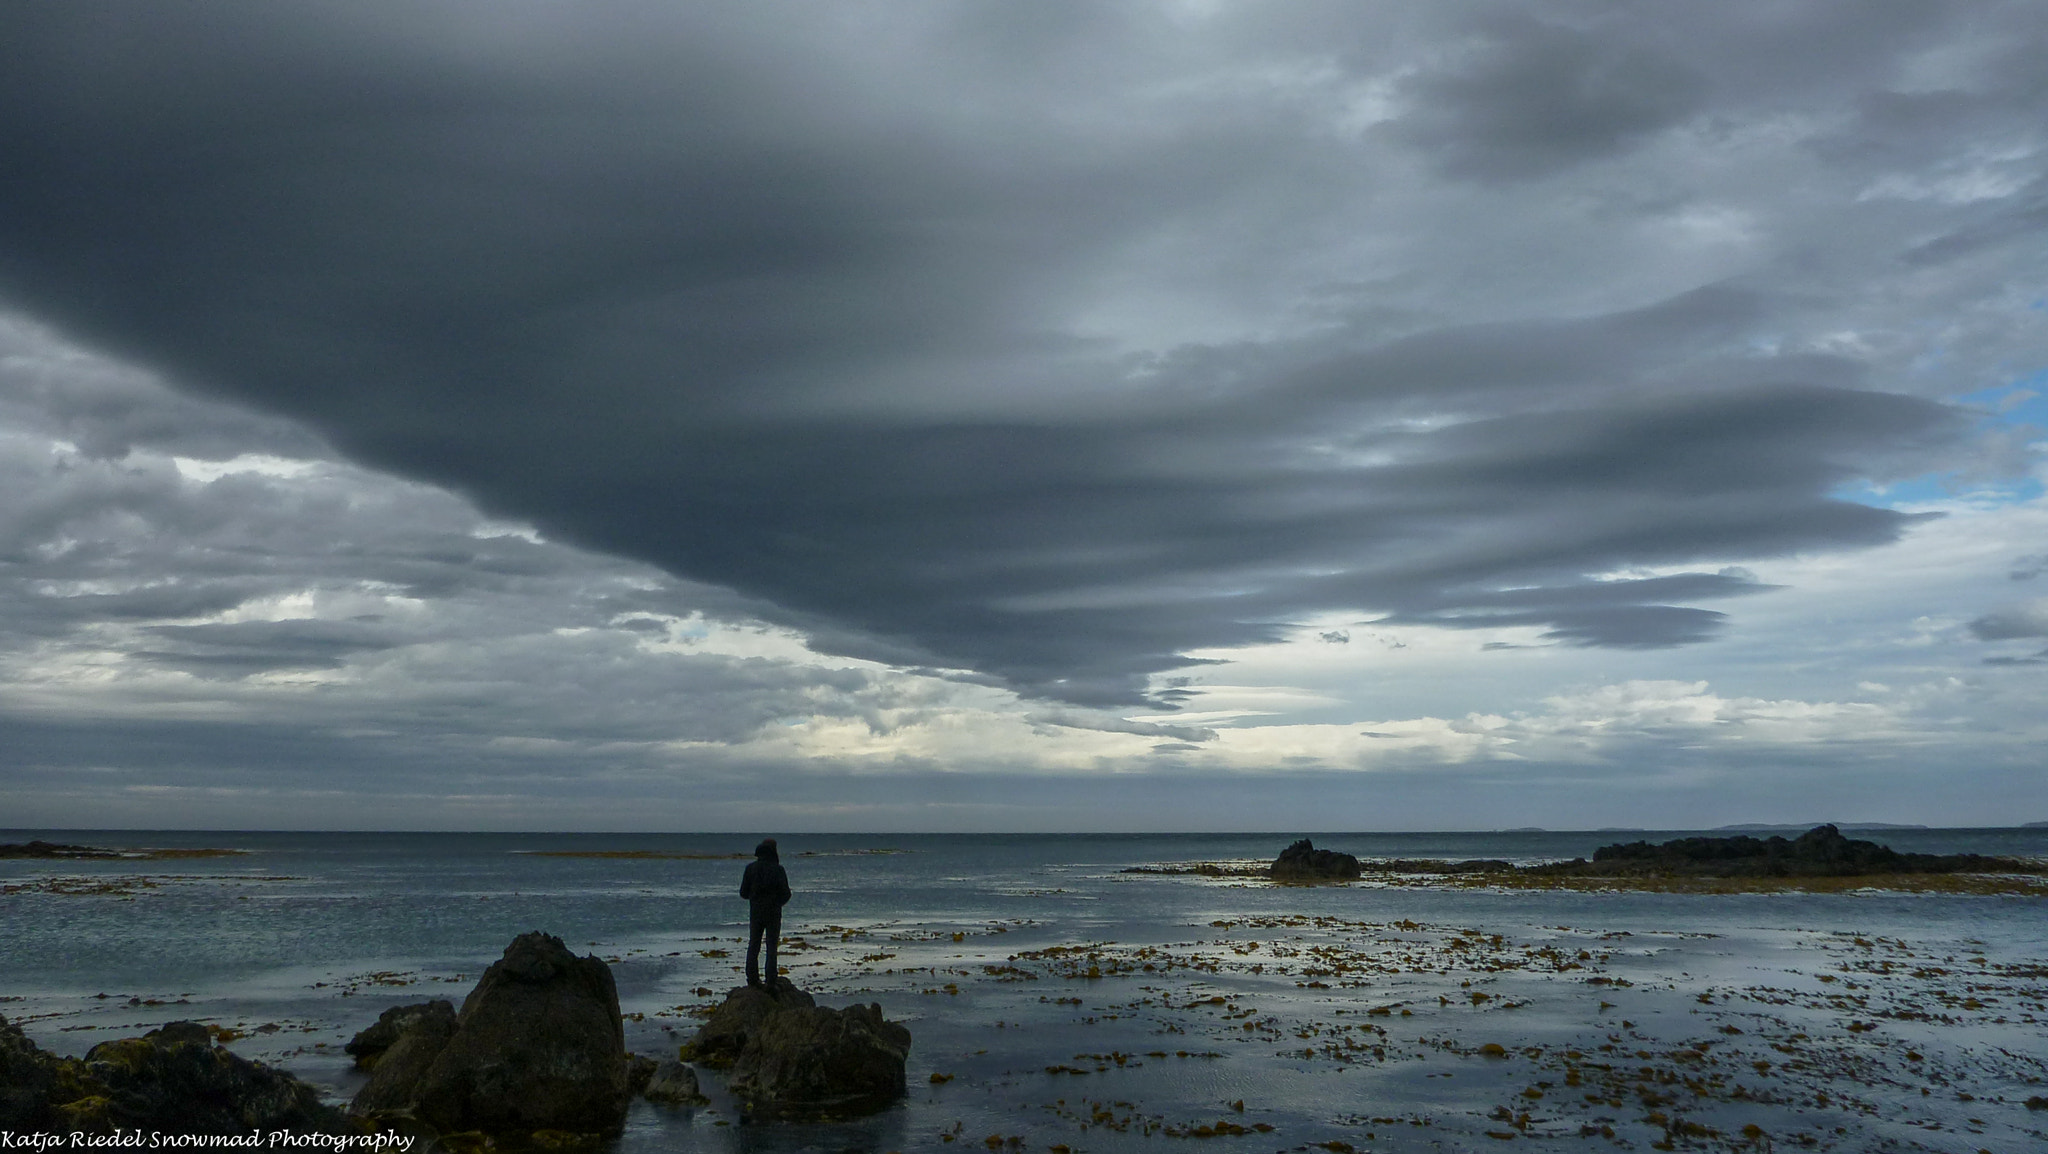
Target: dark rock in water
x: 673, y: 1084
x: 793, y: 1058
x: 1819, y: 852
x: 368, y: 1046
x: 639, y: 1071
x: 396, y: 1071
x: 538, y: 1046
x: 722, y: 1036
x: 172, y: 1080
x: 816, y: 1060
x: 1302, y: 861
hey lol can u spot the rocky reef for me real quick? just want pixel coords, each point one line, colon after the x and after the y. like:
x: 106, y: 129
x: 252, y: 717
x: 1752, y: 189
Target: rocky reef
x: 173, y: 1080
x: 790, y: 1057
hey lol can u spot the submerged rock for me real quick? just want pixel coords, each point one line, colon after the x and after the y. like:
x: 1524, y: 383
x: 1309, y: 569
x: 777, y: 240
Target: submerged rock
x: 1302, y: 861
x: 792, y: 1057
x: 538, y: 1046
x: 172, y: 1080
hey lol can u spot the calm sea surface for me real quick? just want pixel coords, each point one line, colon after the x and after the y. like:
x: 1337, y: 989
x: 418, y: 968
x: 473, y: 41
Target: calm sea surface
x: 1351, y: 1014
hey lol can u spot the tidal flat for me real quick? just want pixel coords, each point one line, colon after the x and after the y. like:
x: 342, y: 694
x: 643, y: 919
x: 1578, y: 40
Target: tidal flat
x: 1058, y: 1001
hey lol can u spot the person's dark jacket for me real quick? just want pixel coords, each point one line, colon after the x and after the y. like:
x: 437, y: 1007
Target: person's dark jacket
x: 765, y: 885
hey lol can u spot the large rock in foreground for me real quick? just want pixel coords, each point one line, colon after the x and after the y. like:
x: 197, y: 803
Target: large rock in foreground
x: 538, y: 1046
x: 793, y: 1058
x: 1303, y: 862
x: 172, y: 1080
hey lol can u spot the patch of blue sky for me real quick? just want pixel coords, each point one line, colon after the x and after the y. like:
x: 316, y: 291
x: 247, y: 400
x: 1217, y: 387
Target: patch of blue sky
x: 2023, y: 404
x: 1916, y: 493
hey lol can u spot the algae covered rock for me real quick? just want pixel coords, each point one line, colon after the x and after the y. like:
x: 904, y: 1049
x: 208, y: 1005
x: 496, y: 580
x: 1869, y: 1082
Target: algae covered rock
x: 1302, y: 861
x: 537, y: 1047
x: 172, y: 1080
x: 27, y: 1075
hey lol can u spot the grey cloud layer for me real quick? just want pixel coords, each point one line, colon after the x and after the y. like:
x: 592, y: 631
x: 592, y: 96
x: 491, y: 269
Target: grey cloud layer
x: 881, y: 316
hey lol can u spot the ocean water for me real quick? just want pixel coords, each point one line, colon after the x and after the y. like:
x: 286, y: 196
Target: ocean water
x: 1056, y: 1000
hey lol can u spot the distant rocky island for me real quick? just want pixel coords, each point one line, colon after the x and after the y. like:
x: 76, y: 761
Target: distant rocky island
x: 1819, y: 853
x: 58, y: 851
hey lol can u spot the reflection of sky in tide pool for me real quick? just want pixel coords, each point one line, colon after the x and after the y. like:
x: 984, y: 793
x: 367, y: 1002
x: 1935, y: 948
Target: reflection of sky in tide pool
x: 1060, y: 1001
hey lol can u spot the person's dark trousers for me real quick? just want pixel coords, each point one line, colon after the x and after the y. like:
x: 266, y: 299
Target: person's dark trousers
x: 760, y: 925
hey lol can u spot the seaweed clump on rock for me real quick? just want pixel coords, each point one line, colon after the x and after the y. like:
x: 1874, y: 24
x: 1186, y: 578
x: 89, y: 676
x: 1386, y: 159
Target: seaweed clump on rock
x: 1303, y: 862
x: 790, y: 1057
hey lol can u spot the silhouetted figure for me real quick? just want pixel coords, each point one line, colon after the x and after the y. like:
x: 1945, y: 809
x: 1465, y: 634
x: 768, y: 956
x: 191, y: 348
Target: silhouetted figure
x: 765, y: 885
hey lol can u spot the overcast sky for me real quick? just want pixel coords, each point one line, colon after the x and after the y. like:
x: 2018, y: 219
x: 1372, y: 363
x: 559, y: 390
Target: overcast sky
x: 906, y: 416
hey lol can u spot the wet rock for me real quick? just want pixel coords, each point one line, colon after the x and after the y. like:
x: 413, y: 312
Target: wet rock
x: 172, y: 1080
x: 814, y: 1060
x: 791, y: 1057
x: 370, y: 1045
x: 1302, y: 861
x: 673, y: 1084
x: 722, y: 1036
x: 538, y: 1047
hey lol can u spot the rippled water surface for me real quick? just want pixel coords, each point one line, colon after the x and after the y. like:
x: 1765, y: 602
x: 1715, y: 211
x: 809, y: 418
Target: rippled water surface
x: 1056, y: 1000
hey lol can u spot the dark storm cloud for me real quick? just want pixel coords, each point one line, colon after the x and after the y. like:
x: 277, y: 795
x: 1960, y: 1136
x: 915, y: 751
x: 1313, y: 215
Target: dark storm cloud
x: 1529, y: 98
x: 785, y: 302
x: 2011, y: 624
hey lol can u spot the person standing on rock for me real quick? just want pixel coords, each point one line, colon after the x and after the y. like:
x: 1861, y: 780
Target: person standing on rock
x: 765, y: 885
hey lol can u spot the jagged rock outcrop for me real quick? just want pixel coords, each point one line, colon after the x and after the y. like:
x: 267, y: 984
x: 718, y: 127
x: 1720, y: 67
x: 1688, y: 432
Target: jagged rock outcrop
x: 172, y: 1080
x: 1302, y: 861
x: 792, y: 1057
x: 537, y: 1046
